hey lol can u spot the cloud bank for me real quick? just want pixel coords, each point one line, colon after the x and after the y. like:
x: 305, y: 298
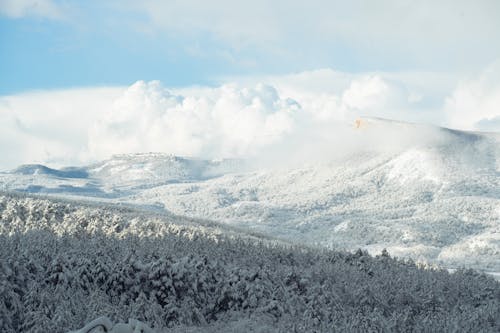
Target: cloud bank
x: 294, y: 117
x: 50, y: 126
x: 224, y: 122
x: 246, y: 120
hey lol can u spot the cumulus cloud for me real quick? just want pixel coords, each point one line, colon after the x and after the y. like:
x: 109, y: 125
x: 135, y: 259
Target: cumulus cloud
x: 475, y: 103
x: 224, y: 122
x: 38, y: 8
x: 50, y: 126
x: 270, y: 123
x: 292, y: 118
x: 408, y: 96
x: 372, y: 92
x: 232, y: 120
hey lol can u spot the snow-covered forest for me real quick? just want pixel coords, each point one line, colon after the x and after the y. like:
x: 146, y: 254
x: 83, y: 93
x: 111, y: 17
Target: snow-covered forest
x: 63, y: 264
x: 422, y: 192
x: 249, y: 166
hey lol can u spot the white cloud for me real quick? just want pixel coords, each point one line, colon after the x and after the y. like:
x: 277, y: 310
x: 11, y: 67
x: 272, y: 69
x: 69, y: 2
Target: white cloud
x: 39, y: 8
x: 426, y: 34
x: 489, y: 124
x: 282, y: 36
x: 268, y: 123
x: 475, y: 103
x: 226, y: 122
x: 49, y: 126
x: 367, y: 93
x: 290, y: 117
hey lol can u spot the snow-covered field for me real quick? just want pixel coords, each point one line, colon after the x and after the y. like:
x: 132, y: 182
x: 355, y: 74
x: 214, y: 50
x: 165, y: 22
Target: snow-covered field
x: 428, y: 193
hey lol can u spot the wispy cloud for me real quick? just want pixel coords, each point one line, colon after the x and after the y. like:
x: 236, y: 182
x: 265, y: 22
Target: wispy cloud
x: 360, y: 33
x: 31, y: 8
x: 193, y: 42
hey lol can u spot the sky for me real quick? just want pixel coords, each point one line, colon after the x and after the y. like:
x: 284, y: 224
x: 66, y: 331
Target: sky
x: 82, y: 80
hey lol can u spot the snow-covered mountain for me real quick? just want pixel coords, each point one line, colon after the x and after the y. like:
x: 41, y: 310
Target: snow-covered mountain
x: 115, y: 177
x: 420, y: 191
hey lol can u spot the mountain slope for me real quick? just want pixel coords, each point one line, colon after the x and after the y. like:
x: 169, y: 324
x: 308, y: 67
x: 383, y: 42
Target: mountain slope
x: 437, y: 200
x: 64, y: 263
x: 423, y: 192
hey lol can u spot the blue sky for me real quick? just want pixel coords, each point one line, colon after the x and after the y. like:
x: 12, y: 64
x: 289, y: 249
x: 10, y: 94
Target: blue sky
x: 56, y: 44
x: 60, y: 60
x: 40, y: 53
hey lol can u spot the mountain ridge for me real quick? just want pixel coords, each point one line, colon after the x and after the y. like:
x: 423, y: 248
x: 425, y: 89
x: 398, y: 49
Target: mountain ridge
x: 423, y: 192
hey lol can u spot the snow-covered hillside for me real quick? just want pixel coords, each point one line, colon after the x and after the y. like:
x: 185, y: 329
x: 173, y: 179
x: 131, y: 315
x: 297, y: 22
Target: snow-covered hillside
x: 63, y: 264
x: 115, y: 177
x: 420, y: 191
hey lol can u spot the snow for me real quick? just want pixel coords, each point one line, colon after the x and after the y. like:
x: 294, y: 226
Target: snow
x: 103, y: 324
x: 64, y: 263
x: 428, y: 193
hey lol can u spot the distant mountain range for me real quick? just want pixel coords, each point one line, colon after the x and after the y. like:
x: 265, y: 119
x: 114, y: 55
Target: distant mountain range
x: 423, y: 192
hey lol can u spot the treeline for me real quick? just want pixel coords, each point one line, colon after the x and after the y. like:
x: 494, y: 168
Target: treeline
x: 63, y: 265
